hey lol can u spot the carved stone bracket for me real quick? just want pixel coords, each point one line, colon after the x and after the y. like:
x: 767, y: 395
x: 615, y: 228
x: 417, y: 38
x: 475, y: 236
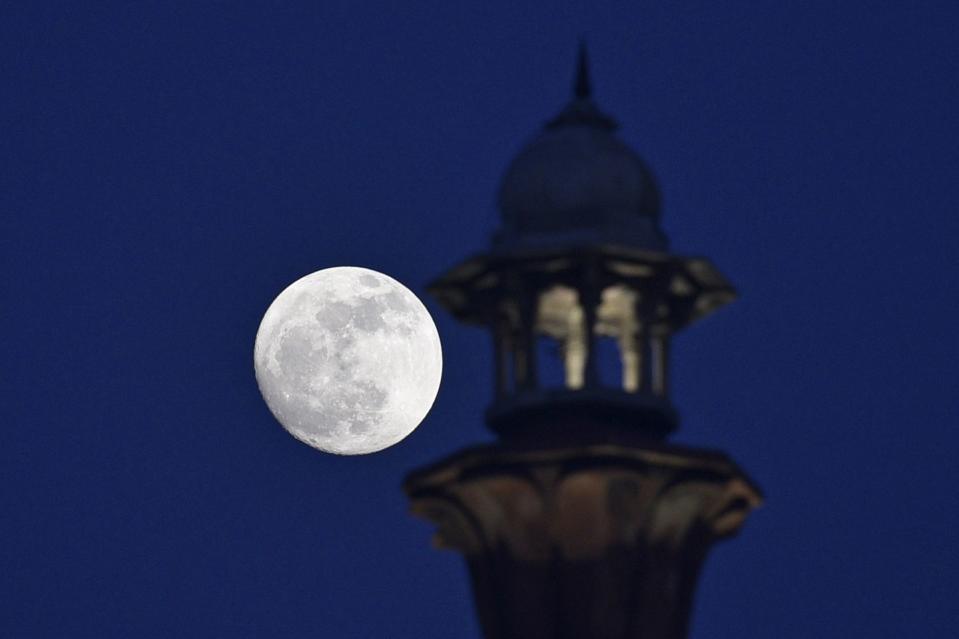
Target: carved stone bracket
x: 584, y: 541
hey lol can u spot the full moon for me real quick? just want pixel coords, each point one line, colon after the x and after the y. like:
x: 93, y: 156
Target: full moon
x: 348, y: 360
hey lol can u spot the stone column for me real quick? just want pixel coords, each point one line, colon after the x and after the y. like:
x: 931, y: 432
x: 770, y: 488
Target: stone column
x: 661, y: 363
x: 574, y: 349
x: 502, y: 353
x: 589, y: 301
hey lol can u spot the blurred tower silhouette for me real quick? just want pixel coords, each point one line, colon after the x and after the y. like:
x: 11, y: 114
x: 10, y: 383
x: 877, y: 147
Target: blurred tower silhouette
x: 581, y: 521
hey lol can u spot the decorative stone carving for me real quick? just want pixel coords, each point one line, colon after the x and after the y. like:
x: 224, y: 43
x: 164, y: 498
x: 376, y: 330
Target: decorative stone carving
x: 586, y: 541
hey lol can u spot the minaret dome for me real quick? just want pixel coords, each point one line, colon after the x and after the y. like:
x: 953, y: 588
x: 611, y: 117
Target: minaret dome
x: 576, y: 181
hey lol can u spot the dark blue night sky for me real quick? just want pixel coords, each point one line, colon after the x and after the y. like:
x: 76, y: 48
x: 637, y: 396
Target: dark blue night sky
x: 167, y: 168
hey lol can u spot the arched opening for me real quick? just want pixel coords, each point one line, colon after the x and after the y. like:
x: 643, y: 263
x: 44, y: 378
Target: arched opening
x: 609, y: 367
x: 549, y: 356
x: 559, y: 319
x: 616, y: 320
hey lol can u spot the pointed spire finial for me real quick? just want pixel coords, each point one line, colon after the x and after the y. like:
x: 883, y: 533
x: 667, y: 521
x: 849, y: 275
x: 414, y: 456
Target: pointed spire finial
x: 581, y: 111
x: 582, y: 88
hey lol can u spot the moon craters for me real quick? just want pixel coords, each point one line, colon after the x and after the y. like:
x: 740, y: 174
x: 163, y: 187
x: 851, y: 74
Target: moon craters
x: 348, y: 360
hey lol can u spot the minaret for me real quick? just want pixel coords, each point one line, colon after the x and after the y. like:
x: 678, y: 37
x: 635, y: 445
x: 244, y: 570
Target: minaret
x: 581, y: 520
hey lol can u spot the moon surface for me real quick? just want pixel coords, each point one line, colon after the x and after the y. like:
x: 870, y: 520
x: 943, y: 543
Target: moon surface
x: 348, y: 360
